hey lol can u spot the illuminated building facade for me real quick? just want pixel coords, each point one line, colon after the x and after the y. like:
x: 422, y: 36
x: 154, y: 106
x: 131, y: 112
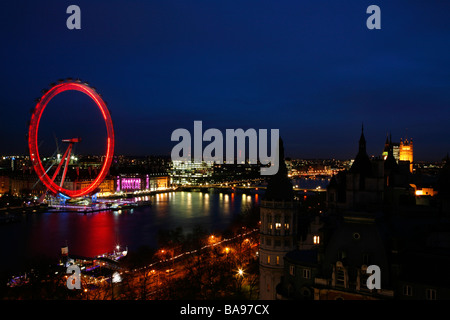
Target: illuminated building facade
x: 406, y: 152
x: 145, y: 182
x: 395, y: 146
x: 402, y: 151
x: 25, y: 185
x: 4, y: 184
x: 105, y: 188
x: 191, y: 172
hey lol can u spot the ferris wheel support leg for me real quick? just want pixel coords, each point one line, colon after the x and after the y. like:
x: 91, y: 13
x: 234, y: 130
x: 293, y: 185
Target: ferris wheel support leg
x: 66, y: 165
x: 41, y: 199
x: 60, y: 164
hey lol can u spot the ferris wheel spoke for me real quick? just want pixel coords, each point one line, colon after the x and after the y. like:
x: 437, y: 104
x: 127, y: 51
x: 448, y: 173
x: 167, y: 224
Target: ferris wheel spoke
x: 52, y: 163
x: 40, y: 178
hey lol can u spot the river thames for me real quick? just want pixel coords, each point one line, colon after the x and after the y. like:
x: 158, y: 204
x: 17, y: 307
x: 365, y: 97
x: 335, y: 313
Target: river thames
x: 95, y: 233
x: 91, y: 234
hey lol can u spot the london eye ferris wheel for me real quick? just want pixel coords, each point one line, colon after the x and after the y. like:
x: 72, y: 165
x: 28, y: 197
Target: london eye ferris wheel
x: 50, y: 178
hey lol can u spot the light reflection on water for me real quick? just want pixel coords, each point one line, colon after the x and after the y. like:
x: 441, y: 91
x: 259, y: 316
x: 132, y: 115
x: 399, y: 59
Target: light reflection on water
x: 96, y: 233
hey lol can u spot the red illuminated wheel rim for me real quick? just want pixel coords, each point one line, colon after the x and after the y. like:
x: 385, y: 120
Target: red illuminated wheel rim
x: 33, y: 138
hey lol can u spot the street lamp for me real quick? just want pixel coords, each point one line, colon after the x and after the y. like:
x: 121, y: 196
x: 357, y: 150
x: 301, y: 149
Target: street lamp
x: 240, y: 278
x: 212, y: 239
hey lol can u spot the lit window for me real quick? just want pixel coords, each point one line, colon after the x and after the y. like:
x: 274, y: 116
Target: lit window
x: 268, y: 259
x: 316, y: 239
x: 277, y: 224
x: 278, y: 260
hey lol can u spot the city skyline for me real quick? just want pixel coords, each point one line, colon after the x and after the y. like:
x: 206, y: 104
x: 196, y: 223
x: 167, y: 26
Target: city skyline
x: 117, y: 156
x: 313, y: 71
x: 241, y: 151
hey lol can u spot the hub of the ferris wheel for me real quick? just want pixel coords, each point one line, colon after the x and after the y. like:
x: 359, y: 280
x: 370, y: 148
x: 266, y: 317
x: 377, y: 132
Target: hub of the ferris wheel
x: 61, y: 198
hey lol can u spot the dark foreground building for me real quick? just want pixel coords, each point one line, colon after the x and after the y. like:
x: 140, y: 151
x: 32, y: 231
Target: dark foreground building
x: 372, y: 219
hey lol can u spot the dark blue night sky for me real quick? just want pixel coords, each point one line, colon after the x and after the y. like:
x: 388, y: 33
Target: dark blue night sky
x: 309, y: 68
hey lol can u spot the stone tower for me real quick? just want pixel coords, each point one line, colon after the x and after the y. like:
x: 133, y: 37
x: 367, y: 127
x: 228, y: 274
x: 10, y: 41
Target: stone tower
x: 406, y: 152
x: 278, y: 231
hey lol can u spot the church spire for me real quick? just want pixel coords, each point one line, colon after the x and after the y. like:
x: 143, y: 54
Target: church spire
x: 362, y: 162
x: 280, y: 187
x: 362, y: 141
